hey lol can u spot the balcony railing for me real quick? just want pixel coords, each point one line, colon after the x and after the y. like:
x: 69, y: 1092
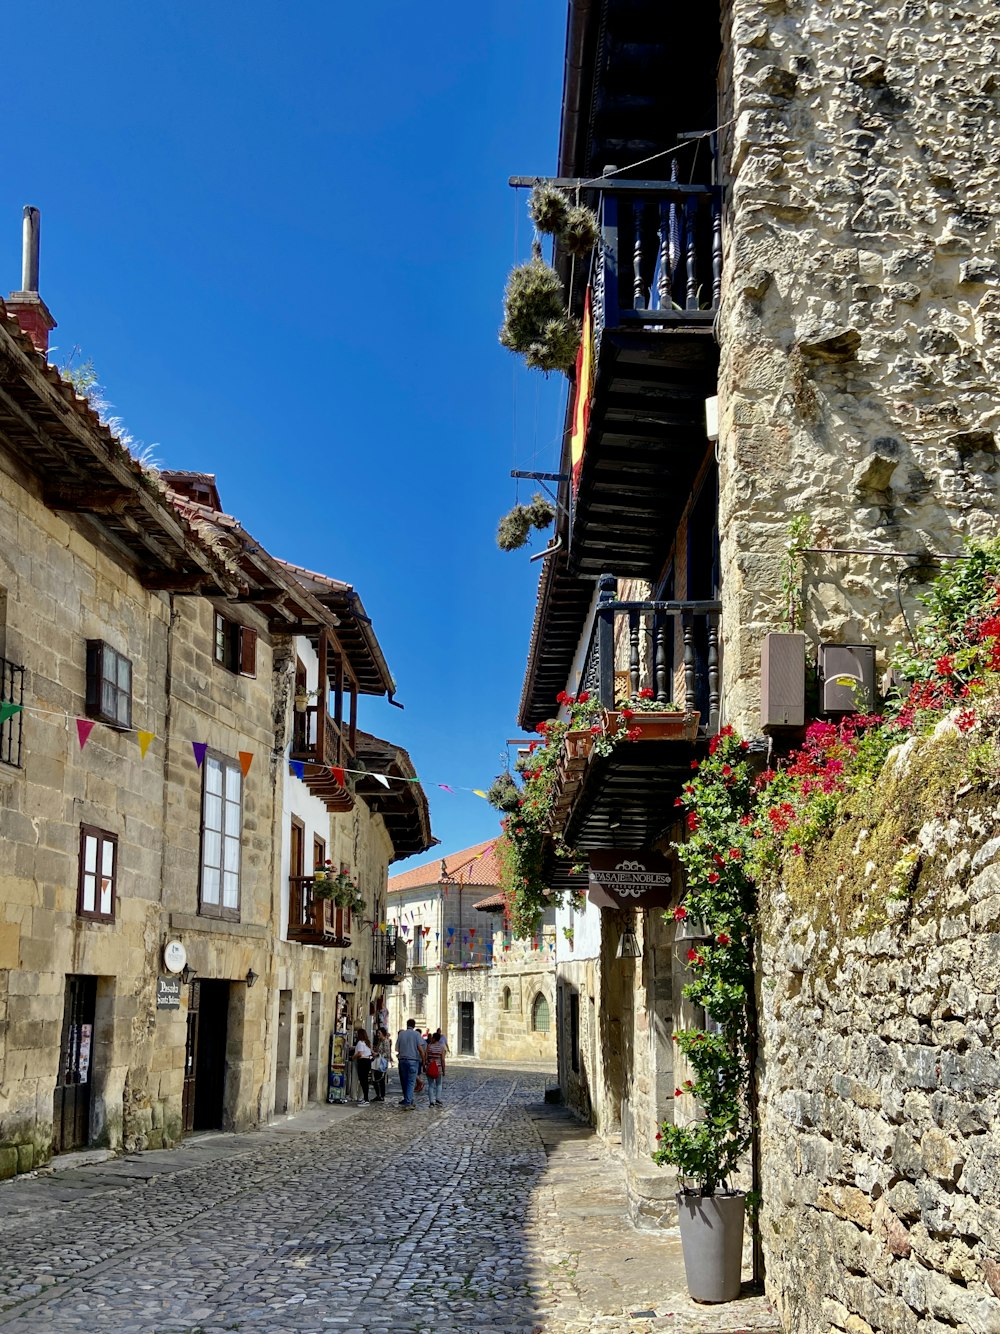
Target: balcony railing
x: 635, y: 645
x: 318, y: 737
x: 388, y: 956
x: 11, y: 692
x: 315, y: 921
x: 659, y: 263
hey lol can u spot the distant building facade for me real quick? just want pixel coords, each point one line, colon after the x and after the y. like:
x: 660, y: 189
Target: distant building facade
x: 492, y: 995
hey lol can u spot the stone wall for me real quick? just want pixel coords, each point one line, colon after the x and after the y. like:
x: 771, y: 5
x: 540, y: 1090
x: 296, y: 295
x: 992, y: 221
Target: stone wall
x: 861, y: 306
x: 59, y: 590
x: 880, y: 1126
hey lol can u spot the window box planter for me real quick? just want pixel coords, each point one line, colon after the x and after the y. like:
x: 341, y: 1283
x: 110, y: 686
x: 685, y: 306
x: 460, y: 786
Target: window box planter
x: 656, y: 726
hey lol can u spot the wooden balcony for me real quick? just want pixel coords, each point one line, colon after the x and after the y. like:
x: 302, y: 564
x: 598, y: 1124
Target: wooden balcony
x: 655, y: 283
x: 625, y: 799
x: 315, y: 921
x: 11, y: 692
x: 321, y: 740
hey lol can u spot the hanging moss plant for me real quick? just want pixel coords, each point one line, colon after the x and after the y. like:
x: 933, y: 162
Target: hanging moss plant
x: 548, y: 208
x: 535, y: 320
x: 504, y: 794
x: 533, y: 296
x: 540, y: 511
x: 513, y: 529
x: 578, y: 234
x: 556, y: 346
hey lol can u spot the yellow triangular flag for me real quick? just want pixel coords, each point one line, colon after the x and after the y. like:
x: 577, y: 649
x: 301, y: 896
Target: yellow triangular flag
x: 144, y: 739
x: 476, y: 793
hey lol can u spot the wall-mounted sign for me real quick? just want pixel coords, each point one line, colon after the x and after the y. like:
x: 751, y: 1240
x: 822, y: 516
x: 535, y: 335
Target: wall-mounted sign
x: 625, y: 879
x: 168, y: 993
x: 174, y: 956
x: 349, y: 970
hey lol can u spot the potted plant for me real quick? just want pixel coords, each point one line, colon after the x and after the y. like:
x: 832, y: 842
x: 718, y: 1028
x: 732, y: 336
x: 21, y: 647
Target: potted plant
x: 324, y: 881
x: 302, y: 697
x: 646, y: 718
x: 708, y: 1149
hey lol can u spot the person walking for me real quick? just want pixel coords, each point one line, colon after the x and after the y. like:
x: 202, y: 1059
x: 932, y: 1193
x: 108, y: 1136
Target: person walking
x: 362, y: 1062
x: 434, y: 1068
x: 410, y: 1050
x: 381, y: 1062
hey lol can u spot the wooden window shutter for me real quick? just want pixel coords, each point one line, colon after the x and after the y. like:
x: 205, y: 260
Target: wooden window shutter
x: 248, y: 651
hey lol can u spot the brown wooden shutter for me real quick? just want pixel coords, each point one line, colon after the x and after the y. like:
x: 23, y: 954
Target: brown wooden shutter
x: 248, y: 651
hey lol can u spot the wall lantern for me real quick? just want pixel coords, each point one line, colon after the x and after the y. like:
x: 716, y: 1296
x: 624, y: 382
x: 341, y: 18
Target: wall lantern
x: 187, y: 972
x: 251, y: 978
x: 628, y: 944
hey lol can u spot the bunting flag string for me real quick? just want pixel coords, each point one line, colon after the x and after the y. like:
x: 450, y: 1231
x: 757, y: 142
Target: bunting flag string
x: 145, y: 737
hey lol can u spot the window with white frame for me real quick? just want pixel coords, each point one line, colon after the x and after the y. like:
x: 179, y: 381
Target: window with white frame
x: 221, y: 837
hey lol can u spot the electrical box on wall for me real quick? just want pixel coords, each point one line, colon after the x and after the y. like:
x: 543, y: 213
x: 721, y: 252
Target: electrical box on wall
x: 846, y: 677
x: 783, y: 681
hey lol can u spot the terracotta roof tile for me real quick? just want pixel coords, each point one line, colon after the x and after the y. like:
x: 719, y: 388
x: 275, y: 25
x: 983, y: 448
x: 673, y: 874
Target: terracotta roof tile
x: 472, y: 866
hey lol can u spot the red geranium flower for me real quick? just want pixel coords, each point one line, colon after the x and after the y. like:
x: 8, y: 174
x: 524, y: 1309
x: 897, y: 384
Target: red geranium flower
x: 722, y: 938
x: 692, y: 820
x: 645, y: 693
x: 680, y: 913
x: 713, y: 878
x: 583, y: 696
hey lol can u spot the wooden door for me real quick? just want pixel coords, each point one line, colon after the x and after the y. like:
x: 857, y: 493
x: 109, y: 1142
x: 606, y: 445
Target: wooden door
x: 191, y: 1056
x: 71, y: 1103
x: 467, y: 1028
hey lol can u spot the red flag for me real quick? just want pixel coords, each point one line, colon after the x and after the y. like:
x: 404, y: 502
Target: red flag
x: 84, y: 727
x: 246, y: 759
x: 338, y: 774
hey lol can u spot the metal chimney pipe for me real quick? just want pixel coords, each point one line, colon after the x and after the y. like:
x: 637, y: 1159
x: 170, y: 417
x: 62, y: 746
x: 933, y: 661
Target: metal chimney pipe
x: 29, y: 252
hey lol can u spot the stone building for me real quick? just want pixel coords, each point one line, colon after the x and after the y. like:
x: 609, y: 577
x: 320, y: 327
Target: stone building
x: 792, y: 312
x: 165, y: 962
x: 492, y: 995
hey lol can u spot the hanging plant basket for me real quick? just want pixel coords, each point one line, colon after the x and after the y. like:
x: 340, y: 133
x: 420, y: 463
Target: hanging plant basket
x: 504, y: 794
x: 513, y: 529
x: 548, y: 208
x: 535, y: 321
x: 578, y: 235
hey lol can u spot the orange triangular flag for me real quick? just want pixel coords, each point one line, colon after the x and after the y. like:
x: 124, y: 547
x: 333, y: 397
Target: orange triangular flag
x: 84, y: 727
x: 144, y: 739
x: 246, y: 759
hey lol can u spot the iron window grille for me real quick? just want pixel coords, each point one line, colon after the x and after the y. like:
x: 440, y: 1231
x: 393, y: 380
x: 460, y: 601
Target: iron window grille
x: 11, y: 692
x: 109, y: 685
x: 97, y: 885
x: 540, y: 1014
x: 221, y: 837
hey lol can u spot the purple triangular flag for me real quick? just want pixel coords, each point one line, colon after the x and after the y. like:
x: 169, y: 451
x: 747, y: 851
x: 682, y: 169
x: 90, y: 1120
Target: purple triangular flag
x: 199, y: 748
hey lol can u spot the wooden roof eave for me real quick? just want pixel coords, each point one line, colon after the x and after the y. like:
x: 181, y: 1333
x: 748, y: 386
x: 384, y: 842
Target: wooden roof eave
x: 131, y: 516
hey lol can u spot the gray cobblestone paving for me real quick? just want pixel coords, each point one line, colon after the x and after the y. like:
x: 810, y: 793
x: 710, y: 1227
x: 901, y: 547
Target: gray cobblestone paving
x: 378, y: 1220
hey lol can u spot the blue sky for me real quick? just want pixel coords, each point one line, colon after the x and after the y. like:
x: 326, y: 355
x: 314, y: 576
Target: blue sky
x: 281, y: 233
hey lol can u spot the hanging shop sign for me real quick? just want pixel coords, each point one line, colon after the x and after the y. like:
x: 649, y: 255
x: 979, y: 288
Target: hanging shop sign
x: 174, y: 956
x: 625, y: 879
x: 168, y: 993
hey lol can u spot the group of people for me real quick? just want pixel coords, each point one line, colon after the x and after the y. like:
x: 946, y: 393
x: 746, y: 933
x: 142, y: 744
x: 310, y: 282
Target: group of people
x: 421, y: 1056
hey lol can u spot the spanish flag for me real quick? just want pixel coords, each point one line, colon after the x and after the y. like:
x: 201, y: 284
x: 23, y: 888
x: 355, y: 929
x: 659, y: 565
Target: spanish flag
x: 581, y: 407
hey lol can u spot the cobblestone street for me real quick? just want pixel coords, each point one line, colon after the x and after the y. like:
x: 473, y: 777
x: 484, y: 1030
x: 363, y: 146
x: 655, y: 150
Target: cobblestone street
x: 495, y: 1212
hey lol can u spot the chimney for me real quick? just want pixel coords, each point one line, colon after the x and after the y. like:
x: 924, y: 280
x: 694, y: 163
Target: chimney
x: 31, y: 311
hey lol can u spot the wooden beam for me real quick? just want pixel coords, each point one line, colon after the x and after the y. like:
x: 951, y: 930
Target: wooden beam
x: 88, y: 499
x: 167, y: 582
